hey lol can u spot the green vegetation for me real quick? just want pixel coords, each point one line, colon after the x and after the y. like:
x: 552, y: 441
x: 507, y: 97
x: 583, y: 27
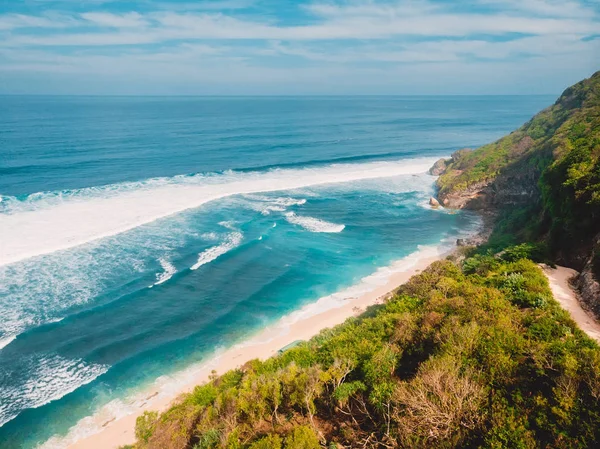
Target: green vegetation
x: 555, y: 156
x: 471, y: 355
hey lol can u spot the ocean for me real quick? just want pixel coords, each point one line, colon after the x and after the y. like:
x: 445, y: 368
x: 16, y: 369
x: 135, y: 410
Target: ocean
x: 141, y: 236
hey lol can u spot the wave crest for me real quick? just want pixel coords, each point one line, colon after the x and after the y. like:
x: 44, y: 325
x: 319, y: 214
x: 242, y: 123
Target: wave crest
x: 48, y: 378
x: 313, y: 224
x: 168, y: 271
x: 46, y: 222
x: 232, y: 241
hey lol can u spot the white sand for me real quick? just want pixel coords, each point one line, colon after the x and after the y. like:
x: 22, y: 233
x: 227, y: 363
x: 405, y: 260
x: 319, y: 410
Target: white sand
x: 120, y: 431
x: 567, y: 297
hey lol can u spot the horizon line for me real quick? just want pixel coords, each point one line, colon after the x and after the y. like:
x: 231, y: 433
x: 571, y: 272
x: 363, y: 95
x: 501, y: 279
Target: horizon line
x: 269, y: 95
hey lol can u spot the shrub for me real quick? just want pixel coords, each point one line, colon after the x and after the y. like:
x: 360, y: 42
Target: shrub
x: 480, y: 264
x: 208, y: 440
x: 440, y: 405
x: 145, y: 425
x: 537, y: 252
x: 271, y: 441
x: 302, y: 437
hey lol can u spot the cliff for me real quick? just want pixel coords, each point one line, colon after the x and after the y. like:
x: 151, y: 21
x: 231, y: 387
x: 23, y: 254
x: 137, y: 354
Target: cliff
x: 543, y: 180
x: 508, y: 171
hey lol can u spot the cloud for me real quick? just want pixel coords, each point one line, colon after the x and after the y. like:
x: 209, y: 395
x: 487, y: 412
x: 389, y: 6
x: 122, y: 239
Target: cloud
x: 259, y: 40
x: 103, y: 19
x: 20, y: 21
x: 545, y: 8
x: 162, y: 27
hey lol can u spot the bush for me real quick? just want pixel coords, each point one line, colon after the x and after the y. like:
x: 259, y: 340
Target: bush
x: 271, y: 441
x: 208, y: 440
x: 480, y: 264
x: 538, y: 252
x: 438, y: 406
x: 145, y: 425
x: 302, y: 437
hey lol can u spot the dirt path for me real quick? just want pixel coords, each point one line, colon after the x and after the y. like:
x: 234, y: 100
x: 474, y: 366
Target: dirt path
x: 566, y: 296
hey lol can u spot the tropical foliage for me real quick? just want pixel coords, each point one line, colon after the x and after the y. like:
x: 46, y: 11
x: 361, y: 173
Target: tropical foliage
x: 470, y: 355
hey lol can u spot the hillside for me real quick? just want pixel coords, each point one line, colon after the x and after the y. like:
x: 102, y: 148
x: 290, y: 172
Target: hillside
x: 544, y: 182
x: 475, y: 357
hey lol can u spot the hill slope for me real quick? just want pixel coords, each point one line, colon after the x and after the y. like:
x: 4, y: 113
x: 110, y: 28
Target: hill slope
x: 544, y: 180
x: 478, y: 357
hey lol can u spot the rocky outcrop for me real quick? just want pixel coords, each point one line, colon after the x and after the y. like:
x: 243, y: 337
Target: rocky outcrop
x: 439, y: 168
x: 516, y: 185
x: 587, y: 283
x: 459, y: 154
x: 441, y: 165
x: 434, y: 203
x: 474, y: 197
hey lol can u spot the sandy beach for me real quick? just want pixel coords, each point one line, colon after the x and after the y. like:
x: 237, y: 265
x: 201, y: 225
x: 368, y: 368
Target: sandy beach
x: 114, y: 432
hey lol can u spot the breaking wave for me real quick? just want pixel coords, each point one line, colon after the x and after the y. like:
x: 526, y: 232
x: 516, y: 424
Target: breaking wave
x: 45, y: 222
x: 47, y: 378
x: 313, y: 224
x: 232, y: 241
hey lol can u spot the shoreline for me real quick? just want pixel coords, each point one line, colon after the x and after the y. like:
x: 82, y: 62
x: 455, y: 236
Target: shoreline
x: 112, y: 431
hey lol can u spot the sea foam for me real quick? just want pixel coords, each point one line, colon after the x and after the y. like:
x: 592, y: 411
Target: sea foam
x: 168, y: 271
x: 313, y: 224
x: 232, y: 241
x: 49, y: 378
x: 50, y: 221
x: 5, y: 341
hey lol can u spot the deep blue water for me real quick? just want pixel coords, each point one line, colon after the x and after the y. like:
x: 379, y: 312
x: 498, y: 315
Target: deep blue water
x: 140, y: 235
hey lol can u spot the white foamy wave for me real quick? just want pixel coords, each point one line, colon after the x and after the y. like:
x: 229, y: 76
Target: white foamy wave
x: 266, y: 205
x: 50, y: 221
x: 168, y: 271
x: 287, y: 202
x: 41, y: 290
x: 5, y: 341
x: 279, y: 201
x: 227, y: 224
x: 47, y: 379
x: 210, y: 236
x: 232, y: 241
x: 313, y: 224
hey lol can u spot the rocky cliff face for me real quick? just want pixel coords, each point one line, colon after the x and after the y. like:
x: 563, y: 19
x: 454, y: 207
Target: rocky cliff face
x: 439, y: 167
x: 517, y: 185
x: 586, y: 283
x: 548, y: 173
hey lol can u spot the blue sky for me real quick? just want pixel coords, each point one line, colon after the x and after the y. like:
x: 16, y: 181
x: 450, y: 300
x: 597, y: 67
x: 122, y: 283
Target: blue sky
x: 297, y: 47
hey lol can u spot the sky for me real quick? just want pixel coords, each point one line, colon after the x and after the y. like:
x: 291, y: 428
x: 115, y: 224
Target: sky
x: 285, y: 47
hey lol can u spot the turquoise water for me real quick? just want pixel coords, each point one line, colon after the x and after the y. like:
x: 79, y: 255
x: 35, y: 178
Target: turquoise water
x: 140, y: 236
